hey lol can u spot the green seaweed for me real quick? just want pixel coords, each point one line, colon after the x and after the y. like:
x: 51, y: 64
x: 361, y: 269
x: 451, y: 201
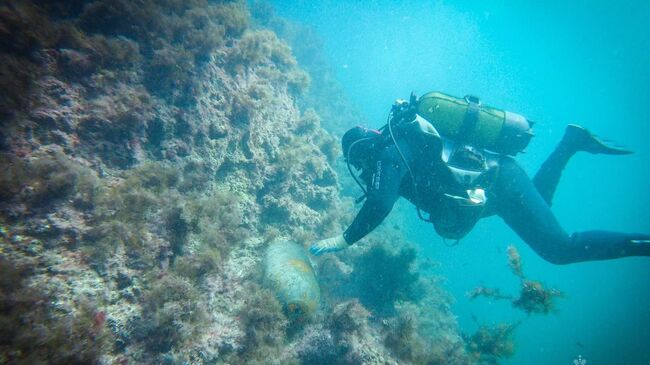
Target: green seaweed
x: 259, y: 46
x: 36, y: 40
x: 402, y: 340
x: 534, y: 297
x: 197, y: 265
x: 124, y: 211
x: 246, y: 103
x: 419, y: 334
x: 348, y: 317
x: 35, y: 332
x: 128, y: 212
x: 265, y: 326
x: 309, y: 124
x: 177, y: 36
x: 127, y: 71
x: 385, y: 277
x: 53, y: 177
x: 491, y: 343
x: 23, y: 28
x: 307, y: 47
x: 298, y: 81
x: 216, y: 220
x: 13, y: 177
x: 166, y: 41
x: 114, y: 52
x: 15, y: 74
x: 172, y: 313
x: 46, y: 179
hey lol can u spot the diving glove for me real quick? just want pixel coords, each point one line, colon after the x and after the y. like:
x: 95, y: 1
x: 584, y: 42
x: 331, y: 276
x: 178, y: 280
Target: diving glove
x: 332, y: 244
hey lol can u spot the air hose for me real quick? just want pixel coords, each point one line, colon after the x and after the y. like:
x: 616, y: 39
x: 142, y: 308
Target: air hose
x: 408, y: 167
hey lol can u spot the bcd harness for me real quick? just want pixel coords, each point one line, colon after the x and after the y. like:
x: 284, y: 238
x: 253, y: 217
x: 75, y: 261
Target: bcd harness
x: 469, y: 139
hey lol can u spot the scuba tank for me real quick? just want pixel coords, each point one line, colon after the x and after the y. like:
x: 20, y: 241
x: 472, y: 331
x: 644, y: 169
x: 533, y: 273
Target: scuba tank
x: 469, y: 122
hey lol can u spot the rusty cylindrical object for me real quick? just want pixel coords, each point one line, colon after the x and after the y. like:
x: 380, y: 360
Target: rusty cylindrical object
x: 288, y: 272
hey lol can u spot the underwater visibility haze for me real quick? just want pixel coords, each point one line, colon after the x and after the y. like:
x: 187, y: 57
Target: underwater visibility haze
x: 556, y: 63
x: 174, y: 188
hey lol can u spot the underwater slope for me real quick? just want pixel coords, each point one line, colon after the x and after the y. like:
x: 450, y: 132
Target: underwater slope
x: 150, y: 151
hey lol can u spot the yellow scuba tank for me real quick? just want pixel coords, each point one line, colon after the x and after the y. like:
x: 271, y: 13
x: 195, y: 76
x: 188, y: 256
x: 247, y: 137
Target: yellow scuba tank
x: 468, y: 121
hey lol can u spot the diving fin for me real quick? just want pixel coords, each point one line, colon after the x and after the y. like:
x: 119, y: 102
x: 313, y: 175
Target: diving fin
x: 640, y: 242
x: 581, y: 139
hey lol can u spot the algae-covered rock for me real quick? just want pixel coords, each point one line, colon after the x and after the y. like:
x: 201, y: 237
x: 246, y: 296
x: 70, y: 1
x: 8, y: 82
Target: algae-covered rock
x: 148, y: 148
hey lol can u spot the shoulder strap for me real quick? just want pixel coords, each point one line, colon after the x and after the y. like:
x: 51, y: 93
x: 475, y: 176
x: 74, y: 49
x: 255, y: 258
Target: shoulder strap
x: 471, y: 116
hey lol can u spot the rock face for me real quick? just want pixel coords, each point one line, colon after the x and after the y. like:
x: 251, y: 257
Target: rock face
x: 150, y: 152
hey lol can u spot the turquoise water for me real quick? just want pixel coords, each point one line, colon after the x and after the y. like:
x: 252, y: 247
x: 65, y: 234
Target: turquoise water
x: 586, y: 62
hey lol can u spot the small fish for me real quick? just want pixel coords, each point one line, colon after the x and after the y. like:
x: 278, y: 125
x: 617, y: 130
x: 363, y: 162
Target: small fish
x: 580, y: 345
x: 474, y: 318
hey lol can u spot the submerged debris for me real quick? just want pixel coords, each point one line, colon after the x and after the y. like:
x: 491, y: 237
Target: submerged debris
x: 482, y: 291
x: 493, y: 342
x: 514, y: 261
x: 533, y: 297
x: 288, y: 272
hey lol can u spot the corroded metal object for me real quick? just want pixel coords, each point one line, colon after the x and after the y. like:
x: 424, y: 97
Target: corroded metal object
x: 290, y: 275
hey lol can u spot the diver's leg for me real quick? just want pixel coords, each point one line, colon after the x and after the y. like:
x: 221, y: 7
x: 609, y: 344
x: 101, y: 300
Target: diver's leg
x: 548, y: 175
x: 523, y: 208
x: 575, y: 139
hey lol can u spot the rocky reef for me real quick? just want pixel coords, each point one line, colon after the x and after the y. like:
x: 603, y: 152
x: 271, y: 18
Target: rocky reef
x: 150, y: 151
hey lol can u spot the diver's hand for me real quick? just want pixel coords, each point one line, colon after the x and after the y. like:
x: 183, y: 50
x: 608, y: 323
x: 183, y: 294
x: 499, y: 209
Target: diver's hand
x: 331, y: 244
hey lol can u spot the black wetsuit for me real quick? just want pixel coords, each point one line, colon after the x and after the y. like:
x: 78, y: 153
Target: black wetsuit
x: 524, y: 204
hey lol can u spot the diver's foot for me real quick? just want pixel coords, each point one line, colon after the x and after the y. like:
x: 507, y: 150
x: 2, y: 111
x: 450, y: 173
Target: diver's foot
x: 581, y: 139
x: 640, y: 242
x: 640, y: 239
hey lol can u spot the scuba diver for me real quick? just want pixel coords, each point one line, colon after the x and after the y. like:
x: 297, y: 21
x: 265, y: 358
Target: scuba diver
x: 453, y: 159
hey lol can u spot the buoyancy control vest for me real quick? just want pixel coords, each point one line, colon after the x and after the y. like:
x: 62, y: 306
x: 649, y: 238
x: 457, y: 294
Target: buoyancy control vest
x: 469, y: 139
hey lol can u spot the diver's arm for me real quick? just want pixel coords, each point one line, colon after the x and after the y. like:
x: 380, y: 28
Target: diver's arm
x: 383, y: 192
